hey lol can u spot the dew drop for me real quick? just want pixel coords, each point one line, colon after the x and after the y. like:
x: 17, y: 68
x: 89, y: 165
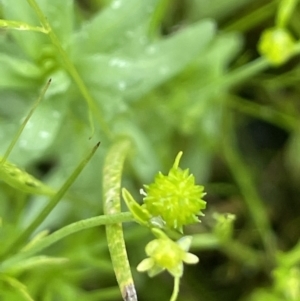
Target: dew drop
x: 129, y: 34
x: 55, y: 114
x: 151, y: 50
x: 122, y: 85
x: 163, y: 70
x: 116, y: 4
x: 44, y: 134
x: 117, y: 62
x: 23, y: 143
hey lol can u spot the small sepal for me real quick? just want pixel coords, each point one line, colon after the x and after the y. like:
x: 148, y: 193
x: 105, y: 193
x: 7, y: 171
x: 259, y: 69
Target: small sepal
x: 139, y: 213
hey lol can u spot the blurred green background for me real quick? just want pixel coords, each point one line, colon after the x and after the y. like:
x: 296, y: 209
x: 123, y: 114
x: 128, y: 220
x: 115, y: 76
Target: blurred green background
x: 172, y: 75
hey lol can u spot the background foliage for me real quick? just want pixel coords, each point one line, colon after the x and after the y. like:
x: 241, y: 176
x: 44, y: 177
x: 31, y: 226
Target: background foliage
x: 172, y: 75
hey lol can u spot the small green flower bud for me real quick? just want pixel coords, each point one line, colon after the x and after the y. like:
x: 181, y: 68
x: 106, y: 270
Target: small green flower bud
x: 224, y: 226
x: 175, y: 197
x: 277, y: 45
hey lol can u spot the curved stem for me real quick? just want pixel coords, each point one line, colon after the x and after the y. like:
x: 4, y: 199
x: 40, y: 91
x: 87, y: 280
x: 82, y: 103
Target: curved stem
x: 49, y: 240
x: 175, y: 289
x: 72, y: 71
x: 21, y: 128
x: 112, y: 173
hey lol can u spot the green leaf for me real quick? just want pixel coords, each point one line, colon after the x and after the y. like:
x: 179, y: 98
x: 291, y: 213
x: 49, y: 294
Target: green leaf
x: 132, y: 77
x: 203, y: 90
x: 21, y: 180
x: 29, y: 41
x: 114, y: 27
x: 44, y: 125
x: 59, y: 14
x: 17, y: 286
x: 17, y: 73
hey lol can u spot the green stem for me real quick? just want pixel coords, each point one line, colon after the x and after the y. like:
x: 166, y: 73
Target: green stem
x: 157, y: 17
x: 234, y: 77
x: 232, y: 248
x: 242, y: 73
x: 72, y: 71
x: 10, y: 24
x: 21, y: 128
x: 243, y: 177
x: 48, y: 208
x: 19, y: 287
x: 175, y: 289
x: 244, y: 254
x: 112, y: 173
x: 285, y: 10
x: 267, y: 113
x: 63, y: 232
x: 252, y: 19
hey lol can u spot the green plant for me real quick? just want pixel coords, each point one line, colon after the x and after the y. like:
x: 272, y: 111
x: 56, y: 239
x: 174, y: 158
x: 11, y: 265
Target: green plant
x: 123, y: 74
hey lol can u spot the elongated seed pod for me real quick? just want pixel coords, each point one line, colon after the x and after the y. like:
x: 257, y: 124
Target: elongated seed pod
x: 21, y: 180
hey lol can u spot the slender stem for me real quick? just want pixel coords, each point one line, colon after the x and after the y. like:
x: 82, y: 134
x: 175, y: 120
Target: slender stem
x: 49, y: 207
x: 234, y: 77
x: 21, y: 128
x: 17, y: 286
x: 285, y: 10
x: 175, y: 289
x: 112, y: 173
x: 280, y: 119
x: 72, y: 71
x: 63, y: 232
x: 242, y: 73
x: 10, y: 24
x: 243, y: 177
x: 234, y: 249
x: 252, y: 19
x: 157, y: 17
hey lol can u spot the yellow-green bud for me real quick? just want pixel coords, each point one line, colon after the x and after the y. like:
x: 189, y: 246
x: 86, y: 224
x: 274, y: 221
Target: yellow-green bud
x: 277, y: 45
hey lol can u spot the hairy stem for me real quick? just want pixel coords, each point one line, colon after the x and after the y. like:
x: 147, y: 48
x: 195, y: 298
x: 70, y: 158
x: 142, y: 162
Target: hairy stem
x: 112, y: 173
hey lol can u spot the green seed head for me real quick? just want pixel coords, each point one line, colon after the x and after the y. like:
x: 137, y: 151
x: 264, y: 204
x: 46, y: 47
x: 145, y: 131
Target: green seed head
x: 175, y: 197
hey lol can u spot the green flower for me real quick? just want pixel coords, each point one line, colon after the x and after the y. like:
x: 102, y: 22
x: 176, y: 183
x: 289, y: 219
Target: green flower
x: 175, y: 197
x: 165, y: 254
